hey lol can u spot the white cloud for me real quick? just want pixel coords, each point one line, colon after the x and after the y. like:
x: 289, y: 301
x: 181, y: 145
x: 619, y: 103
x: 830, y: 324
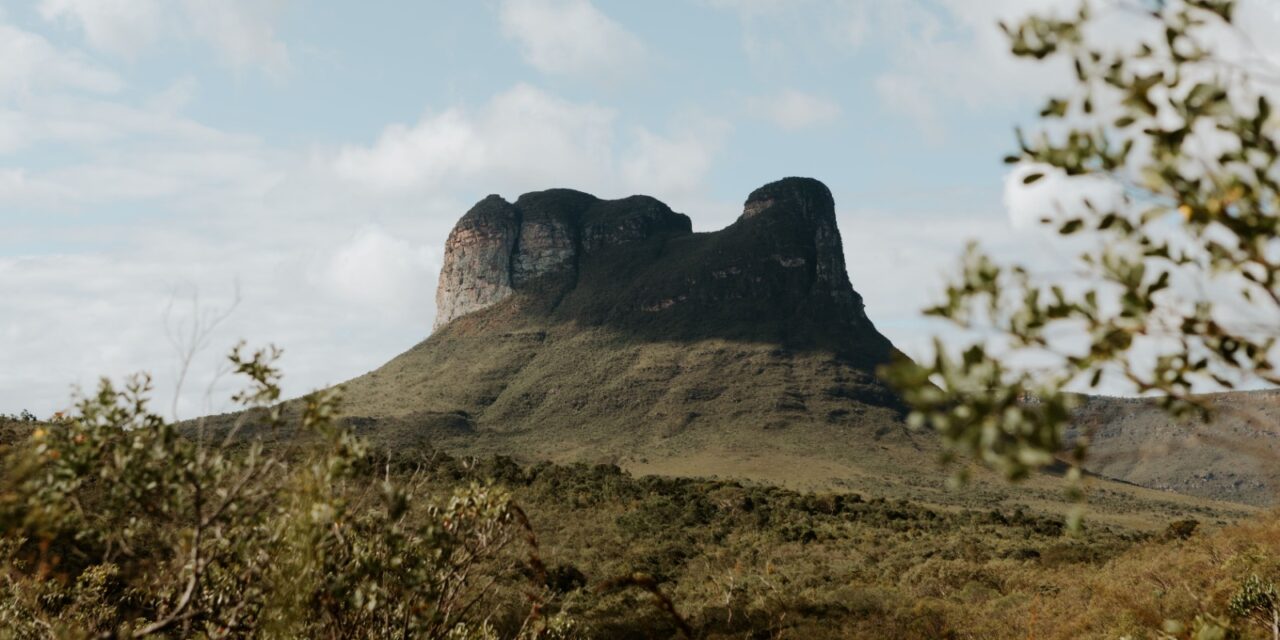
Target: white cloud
x: 525, y: 138
x: 923, y: 246
x: 382, y: 271
x: 176, y: 96
x: 782, y: 33
x: 405, y: 157
x: 952, y: 52
x: 908, y: 96
x: 32, y: 64
x: 92, y: 122
x: 955, y: 55
x: 123, y: 27
x: 672, y: 166
x: 134, y: 152
x: 793, y: 110
x: 569, y: 37
x: 1056, y: 197
x: 241, y: 32
x: 934, y: 56
x: 750, y: 6
x: 522, y: 137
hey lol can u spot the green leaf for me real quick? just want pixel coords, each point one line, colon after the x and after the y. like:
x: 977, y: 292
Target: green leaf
x: 1056, y: 108
x: 1031, y: 178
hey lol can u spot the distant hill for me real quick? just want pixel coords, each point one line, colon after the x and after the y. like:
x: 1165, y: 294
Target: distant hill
x: 1235, y: 456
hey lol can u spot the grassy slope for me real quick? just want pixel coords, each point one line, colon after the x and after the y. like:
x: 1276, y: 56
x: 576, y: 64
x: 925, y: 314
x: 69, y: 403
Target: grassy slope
x: 710, y: 408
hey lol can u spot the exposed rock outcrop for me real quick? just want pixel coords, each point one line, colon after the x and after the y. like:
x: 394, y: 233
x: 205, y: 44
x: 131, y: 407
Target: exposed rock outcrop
x: 776, y: 275
x: 805, y: 207
x: 498, y: 248
x: 478, y: 256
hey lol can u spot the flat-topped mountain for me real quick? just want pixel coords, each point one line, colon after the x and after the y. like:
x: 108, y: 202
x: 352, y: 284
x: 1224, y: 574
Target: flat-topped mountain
x: 777, y: 274
x: 575, y: 328
x: 571, y: 328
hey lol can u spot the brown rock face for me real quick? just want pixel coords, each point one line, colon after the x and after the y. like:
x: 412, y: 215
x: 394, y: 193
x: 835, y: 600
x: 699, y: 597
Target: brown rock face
x: 807, y: 204
x: 477, y: 264
x: 776, y: 275
x: 499, y: 248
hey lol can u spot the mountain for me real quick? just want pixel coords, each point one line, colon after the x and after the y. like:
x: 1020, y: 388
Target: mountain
x: 576, y: 329
x: 634, y: 266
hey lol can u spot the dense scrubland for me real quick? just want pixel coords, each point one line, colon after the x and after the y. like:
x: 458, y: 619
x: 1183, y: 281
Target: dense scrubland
x: 115, y: 522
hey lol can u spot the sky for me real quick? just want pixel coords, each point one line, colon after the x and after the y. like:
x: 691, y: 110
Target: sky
x: 286, y: 172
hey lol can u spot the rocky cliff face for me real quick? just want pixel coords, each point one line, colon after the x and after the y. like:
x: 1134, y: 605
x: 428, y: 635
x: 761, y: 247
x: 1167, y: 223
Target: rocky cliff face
x: 499, y: 248
x: 806, y: 209
x: 776, y: 275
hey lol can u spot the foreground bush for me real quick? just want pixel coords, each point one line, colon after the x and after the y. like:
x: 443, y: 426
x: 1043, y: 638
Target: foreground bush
x: 115, y: 524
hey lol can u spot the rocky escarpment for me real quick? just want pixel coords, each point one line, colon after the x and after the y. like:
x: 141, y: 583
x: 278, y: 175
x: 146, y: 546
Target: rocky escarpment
x: 776, y: 275
x: 575, y: 328
x: 802, y: 215
x: 498, y: 248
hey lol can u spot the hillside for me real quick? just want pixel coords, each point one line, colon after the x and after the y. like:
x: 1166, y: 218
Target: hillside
x: 574, y: 329
x: 604, y: 330
x: 1231, y: 457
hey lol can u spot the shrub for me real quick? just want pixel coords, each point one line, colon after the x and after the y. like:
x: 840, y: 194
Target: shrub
x: 115, y: 522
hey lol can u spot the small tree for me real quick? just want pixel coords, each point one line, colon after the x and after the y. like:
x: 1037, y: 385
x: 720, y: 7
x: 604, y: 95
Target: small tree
x: 1183, y: 263
x: 116, y: 522
x: 1259, y: 602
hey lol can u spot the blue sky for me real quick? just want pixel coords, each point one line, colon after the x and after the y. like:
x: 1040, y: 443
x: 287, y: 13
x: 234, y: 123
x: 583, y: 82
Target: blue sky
x: 162, y: 161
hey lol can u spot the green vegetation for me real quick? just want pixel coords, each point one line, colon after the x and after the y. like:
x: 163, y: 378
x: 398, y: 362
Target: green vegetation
x: 300, y: 519
x: 1185, y: 137
x: 24, y: 416
x: 117, y: 523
